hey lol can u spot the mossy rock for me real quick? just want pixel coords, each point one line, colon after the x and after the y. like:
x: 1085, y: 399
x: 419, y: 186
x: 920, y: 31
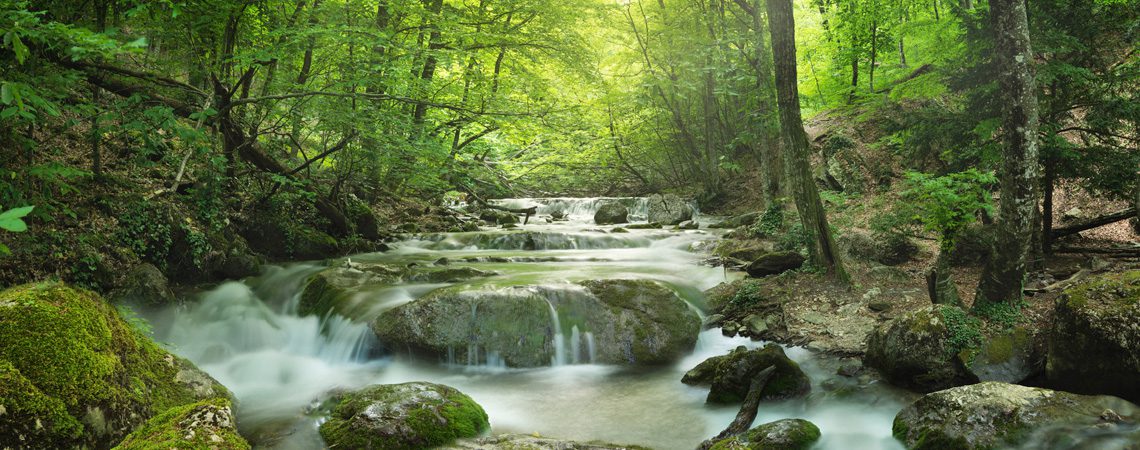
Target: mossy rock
x: 774, y: 263
x: 999, y: 415
x: 743, y: 220
x: 611, y: 213
x: 334, y: 289
x: 208, y: 424
x: 73, y: 373
x: 1008, y: 356
x: 634, y: 322
x: 730, y: 376
x: 410, y: 416
x: 919, y: 350
x: 530, y: 442
x: 1094, y: 345
x: 786, y: 434
x: 889, y: 249
x: 668, y: 209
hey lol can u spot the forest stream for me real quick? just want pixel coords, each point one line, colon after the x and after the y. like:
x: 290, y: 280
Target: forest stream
x: 249, y: 336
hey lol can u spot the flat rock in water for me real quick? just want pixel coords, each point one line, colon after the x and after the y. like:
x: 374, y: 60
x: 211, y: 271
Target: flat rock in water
x: 402, y: 416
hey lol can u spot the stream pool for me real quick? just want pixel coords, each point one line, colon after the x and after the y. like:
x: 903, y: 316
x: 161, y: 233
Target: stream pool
x: 248, y: 335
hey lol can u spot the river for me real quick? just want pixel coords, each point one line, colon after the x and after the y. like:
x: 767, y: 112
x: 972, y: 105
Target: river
x: 280, y: 365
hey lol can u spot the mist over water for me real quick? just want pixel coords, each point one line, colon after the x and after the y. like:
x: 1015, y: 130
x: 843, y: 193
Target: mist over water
x: 249, y: 336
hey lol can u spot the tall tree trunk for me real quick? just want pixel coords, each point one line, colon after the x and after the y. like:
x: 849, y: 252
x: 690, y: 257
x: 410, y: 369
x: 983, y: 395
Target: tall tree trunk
x: 1047, y: 208
x: 770, y: 151
x: 434, y: 7
x: 874, y: 54
x: 940, y: 281
x: 1004, y: 275
x: 821, y: 248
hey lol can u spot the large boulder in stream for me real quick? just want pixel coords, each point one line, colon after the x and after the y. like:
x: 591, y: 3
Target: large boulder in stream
x: 1094, y: 346
x: 402, y: 416
x: 919, y: 350
x: 74, y: 374
x: 611, y: 213
x: 730, y: 376
x: 669, y: 209
x: 999, y: 415
x: 606, y: 321
x: 337, y: 288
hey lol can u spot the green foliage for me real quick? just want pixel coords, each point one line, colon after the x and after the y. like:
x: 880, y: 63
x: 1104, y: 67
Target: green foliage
x: 146, y: 230
x: 770, y: 222
x: 947, y: 204
x: 13, y: 220
x: 1002, y: 313
x: 965, y: 330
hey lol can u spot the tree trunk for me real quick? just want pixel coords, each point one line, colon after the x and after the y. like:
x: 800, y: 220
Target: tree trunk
x: 769, y: 123
x: 1047, y: 209
x: 874, y: 54
x: 940, y: 282
x: 434, y: 7
x: 821, y: 248
x: 1004, y: 275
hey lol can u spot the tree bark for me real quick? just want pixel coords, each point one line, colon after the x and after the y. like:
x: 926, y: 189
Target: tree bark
x: 434, y: 7
x: 940, y: 282
x: 1004, y: 275
x: 822, y: 249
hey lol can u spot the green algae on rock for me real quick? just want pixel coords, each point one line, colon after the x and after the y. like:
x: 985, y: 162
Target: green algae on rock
x: 73, y: 373
x: 919, y: 350
x: 208, y: 424
x: 409, y: 416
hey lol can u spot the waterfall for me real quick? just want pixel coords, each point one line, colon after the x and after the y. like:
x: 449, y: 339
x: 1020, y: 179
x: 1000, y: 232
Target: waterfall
x: 559, y: 358
x: 578, y: 208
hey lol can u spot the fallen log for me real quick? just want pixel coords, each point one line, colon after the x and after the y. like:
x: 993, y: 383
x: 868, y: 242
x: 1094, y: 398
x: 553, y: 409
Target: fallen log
x: 748, y: 409
x: 1094, y: 223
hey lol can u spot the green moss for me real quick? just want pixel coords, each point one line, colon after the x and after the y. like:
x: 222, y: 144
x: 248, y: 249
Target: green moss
x: 76, y: 350
x: 1121, y: 289
x: 30, y: 415
x: 213, y: 428
x: 426, y: 423
x: 935, y: 440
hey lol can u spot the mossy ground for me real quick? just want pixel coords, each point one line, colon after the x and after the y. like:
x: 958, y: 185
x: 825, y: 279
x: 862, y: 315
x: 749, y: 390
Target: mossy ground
x: 70, y: 362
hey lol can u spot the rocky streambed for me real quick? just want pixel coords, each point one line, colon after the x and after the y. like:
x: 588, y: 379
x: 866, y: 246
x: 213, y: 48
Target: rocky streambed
x: 563, y: 333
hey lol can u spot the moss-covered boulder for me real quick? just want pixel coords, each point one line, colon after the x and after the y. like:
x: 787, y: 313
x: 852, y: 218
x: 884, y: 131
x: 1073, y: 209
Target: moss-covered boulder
x: 890, y: 249
x: 73, y: 373
x: 608, y: 321
x: 743, y: 220
x: 999, y: 415
x: 774, y: 263
x: 730, y: 376
x: 208, y: 424
x: 669, y: 209
x: 786, y: 434
x: 144, y: 284
x: 410, y: 416
x: 919, y: 350
x: 611, y: 213
x: 530, y: 442
x: 336, y: 289
x: 1094, y: 346
x: 1009, y: 356
x: 745, y: 308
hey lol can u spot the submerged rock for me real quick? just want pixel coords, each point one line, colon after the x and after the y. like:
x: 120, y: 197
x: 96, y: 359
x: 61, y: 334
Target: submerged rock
x: 402, y: 416
x: 1094, y: 346
x: 786, y: 434
x: 999, y: 415
x: 774, y: 264
x: 608, y: 321
x: 73, y: 373
x: 915, y: 350
x: 730, y: 376
x: 669, y: 209
x: 528, y: 442
x: 610, y: 214
x: 207, y: 424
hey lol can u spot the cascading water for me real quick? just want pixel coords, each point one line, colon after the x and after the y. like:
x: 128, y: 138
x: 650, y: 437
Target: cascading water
x: 250, y: 337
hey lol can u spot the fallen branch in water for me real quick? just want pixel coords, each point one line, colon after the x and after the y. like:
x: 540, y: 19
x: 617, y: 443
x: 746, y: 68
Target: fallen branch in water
x: 748, y: 409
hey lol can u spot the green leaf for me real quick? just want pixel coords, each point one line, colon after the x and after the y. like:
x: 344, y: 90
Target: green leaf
x: 19, y: 48
x: 5, y: 94
x: 12, y: 219
x: 4, y: 250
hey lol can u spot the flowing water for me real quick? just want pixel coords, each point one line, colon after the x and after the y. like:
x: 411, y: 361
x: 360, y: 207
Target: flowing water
x: 249, y: 336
